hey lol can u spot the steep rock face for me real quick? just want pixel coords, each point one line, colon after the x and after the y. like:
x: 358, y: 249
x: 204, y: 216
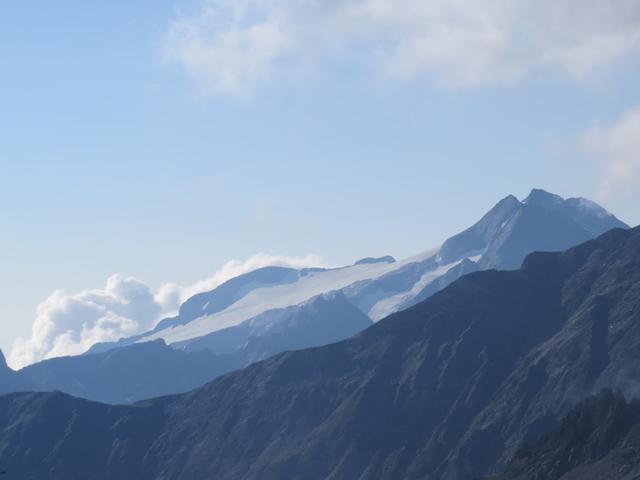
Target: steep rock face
x: 598, y: 439
x: 449, y: 389
x: 541, y: 222
x: 477, y: 238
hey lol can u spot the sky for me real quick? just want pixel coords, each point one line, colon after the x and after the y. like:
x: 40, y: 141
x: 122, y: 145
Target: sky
x: 149, y: 149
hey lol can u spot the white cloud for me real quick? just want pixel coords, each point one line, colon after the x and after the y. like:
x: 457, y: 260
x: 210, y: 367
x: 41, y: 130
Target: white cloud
x: 208, y: 44
x: 69, y: 324
x: 616, y: 150
x: 172, y: 295
x: 235, y: 46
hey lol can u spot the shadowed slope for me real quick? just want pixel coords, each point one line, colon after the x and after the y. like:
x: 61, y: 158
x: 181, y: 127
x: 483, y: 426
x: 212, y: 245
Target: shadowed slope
x: 599, y: 439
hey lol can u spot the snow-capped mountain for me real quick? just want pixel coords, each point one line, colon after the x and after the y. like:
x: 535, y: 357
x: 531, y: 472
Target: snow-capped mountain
x: 379, y: 287
x: 322, y: 320
x: 275, y: 309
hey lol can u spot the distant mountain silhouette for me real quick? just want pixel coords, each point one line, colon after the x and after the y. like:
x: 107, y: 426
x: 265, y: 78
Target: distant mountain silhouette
x: 150, y: 369
x: 11, y: 381
x: 128, y: 374
x: 449, y: 389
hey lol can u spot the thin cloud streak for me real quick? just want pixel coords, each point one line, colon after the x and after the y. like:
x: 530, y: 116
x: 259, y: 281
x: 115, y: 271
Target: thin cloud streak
x: 235, y: 47
x: 616, y: 150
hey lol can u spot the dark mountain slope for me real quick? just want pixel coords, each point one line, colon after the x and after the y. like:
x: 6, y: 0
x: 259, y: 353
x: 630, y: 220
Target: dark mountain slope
x: 448, y: 389
x: 599, y: 439
x: 127, y: 374
x: 54, y: 436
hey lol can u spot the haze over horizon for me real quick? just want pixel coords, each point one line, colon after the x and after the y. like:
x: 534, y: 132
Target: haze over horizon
x: 160, y: 140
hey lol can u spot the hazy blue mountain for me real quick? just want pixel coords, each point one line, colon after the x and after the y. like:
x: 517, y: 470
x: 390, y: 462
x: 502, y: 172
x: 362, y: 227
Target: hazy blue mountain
x: 150, y: 369
x: 11, y: 381
x: 322, y: 320
x: 127, y: 374
x: 448, y: 389
x: 208, y: 303
x: 230, y: 291
x: 599, y: 439
x: 501, y: 239
x: 541, y: 222
x: 274, y: 309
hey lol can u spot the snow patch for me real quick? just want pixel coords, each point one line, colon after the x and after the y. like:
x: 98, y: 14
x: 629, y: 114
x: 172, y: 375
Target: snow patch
x: 281, y: 296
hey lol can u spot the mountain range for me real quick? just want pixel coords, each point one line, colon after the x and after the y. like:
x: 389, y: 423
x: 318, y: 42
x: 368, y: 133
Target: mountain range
x: 275, y: 309
x: 451, y: 388
x: 150, y: 369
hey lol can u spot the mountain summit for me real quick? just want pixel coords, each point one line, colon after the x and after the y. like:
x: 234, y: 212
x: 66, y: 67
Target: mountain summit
x: 541, y: 222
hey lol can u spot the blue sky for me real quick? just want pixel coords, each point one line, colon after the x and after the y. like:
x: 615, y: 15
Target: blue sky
x: 161, y: 139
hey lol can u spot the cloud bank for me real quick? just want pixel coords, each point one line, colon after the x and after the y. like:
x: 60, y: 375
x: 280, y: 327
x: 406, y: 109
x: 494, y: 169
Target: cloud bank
x: 616, y: 150
x: 69, y: 324
x: 171, y: 295
x: 237, y: 46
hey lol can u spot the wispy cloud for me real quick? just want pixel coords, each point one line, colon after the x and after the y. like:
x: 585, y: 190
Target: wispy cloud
x: 172, y: 295
x: 69, y: 324
x: 236, y: 46
x: 616, y: 150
